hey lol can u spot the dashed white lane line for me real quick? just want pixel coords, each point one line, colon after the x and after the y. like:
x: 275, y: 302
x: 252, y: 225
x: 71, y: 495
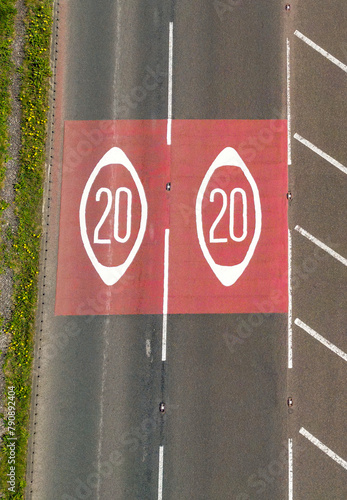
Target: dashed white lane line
x: 324, y: 448
x: 290, y: 469
x: 321, y: 153
x: 321, y: 339
x: 161, y: 471
x: 169, y: 104
x: 321, y: 245
x: 165, y: 292
x: 321, y: 51
x: 290, y: 303
x: 288, y: 106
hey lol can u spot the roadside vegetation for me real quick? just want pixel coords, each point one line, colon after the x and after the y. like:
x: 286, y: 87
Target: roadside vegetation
x: 23, y: 256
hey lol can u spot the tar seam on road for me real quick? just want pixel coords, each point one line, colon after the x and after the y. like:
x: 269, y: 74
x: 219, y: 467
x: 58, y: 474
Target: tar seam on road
x: 321, y: 153
x: 324, y: 448
x: 321, y: 339
x: 290, y: 469
x: 169, y: 104
x: 321, y: 51
x: 290, y: 303
x: 288, y: 105
x: 160, y: 474
x: 321, y: 245
x: 165, y: 292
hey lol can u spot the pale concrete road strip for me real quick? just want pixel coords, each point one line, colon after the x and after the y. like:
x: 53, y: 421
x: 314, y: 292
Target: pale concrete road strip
x: 321, y: 339
x: 290, y: 469
x: 321, y: 51
x: 169, y: 105
x: 165, y: 293
x: 321, y: 153
x: 161, y: 470
x: 288, y: 106
x: 324, y: 448
x: 321, y: 245
x: 290, y: 303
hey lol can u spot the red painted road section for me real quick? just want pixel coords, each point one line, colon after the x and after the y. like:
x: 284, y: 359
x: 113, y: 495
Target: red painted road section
x: 231, y: 215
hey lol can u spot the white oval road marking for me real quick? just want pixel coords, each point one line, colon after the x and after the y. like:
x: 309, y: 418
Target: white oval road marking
x: 228, y: 275
x: 111, y: 274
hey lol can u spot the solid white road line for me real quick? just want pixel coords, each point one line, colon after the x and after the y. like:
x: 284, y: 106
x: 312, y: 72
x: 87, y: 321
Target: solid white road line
x: 321, y: 51
x: 321, y: 245
x: 321, y: 153
x: 288, y: 106
x: 165, y: 293
x: 324, y: 448
x: 321, y: 339
x: 290, y: 303
x: 161, y: 470
x: 290, y: 469
x: 169, y: 104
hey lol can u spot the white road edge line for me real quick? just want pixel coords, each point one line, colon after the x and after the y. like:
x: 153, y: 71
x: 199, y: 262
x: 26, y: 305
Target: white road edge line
x: 288, y: 106
x: 321, y: 245
x: 321, y: 51
x: 161, y: 470
x: 165, y: 292
x: 321, y: 339
x: 290, y: 469
x: 324, y: 448
x: 290, y: 303
x: 169, y: 104
x: 321, y: 153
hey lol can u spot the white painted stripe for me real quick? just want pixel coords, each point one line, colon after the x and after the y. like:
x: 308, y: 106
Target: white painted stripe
x: 321, y: 153
x: 321, y: 339
x: 321, y: 245
x: 288, y: 106
x: 321, y: 51
x: 169, y: 104
x: 324, y: 448
x: 290, y: 469
x: 161, y: 471
x: 165, y: 293
x: 290, y: 303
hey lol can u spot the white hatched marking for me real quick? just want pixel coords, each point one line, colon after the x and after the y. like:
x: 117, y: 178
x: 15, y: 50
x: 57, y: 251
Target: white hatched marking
x: 321, y: 339
x: 321, y: 245
x: 290, y: 303
x: 321, y: 51
x: 321, y: 153
x: 324, y: 448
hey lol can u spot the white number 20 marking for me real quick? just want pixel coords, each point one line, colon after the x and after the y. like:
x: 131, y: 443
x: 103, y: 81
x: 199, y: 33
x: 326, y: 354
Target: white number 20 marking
x: 213, y: 239
x: 117, y: 237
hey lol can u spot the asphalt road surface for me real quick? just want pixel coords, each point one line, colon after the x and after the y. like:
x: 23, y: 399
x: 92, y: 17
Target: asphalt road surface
x: 227, y: 362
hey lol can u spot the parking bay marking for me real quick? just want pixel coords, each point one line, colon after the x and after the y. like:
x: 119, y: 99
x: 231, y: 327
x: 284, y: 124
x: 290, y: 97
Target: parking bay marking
x: 321, y: 245
x: 321, y: 153
x: 323, y: 448
x: 321, y: 51
x: 321, y: 339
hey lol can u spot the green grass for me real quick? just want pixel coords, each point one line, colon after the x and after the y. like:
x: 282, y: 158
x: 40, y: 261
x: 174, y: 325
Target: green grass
x: 7, y: 16
x: 24, y: 256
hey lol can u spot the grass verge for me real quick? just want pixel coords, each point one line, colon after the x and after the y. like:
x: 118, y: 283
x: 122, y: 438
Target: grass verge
x: 7, y: 17
x: 24, y: 256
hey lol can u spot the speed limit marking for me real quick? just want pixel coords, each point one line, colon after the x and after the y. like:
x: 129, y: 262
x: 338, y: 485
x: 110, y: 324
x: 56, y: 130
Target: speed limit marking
x: 114, y: 212
x: 229, y: 217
